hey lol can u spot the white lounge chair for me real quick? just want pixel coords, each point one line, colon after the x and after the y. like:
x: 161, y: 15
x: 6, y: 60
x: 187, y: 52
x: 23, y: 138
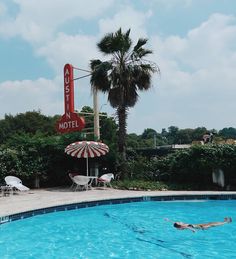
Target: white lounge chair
x: 16, y: 183
x: 81, y: 181
x: 105, y: 179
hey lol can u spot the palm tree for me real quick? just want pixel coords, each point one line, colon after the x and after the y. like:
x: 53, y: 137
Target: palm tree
x: 122, y: 76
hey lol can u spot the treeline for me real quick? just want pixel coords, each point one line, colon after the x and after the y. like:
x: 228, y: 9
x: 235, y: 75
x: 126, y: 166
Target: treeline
x: 31, y: 148
x: 29, y: 122
x: 174, y: 135
x: 36, y: 123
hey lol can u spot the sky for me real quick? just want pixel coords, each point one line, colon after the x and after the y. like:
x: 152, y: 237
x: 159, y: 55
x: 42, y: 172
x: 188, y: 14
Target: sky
x: 193, y: 43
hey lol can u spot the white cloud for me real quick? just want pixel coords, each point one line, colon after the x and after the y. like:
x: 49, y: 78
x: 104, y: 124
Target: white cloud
x: 3, y: 9
x: 37, y: 21
x: 41, y: 94
x: 197, y: 85
x: 77, y: 50
x: 173, y: 3
x: 206, y: 51
x: 80, y: 49
x: 26, y: 95
x: 213, y: 40
x: 126, y: 18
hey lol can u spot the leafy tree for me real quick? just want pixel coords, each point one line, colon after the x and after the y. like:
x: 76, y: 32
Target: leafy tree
x: 198, y: 133
x: 172, y: 134
x: 88, y: 114
x: 133, y: 141
x: 29, y: 122
x: 228, y: 133
x: 108, y: 129
x: 122, y: 75
x: 9, y: 161
x: 32, y: 152
x: 164, y: 132
x: 148, y: 133
x: 184, y: 136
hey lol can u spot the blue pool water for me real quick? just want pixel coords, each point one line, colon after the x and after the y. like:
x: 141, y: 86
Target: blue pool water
x: 132, y: 230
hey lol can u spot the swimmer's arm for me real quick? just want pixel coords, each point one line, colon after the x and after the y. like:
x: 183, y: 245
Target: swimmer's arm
x: 191, y: 228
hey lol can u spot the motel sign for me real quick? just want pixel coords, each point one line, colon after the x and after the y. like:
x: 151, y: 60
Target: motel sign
x: 70, y: 120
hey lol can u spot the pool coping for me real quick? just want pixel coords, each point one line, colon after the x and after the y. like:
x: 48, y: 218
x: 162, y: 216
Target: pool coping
x: 116, y: 200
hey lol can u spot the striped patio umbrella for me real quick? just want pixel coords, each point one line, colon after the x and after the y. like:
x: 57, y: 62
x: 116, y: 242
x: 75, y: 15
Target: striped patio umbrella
x: 86, y: 149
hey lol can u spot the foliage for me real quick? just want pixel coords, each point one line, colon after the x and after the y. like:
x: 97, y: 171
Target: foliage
x: 197, y: 163
x: 32, y: 149
x: 140, y: 185
x: 88, y: 114
x: 29, y: 122
x: 148, y: 133
x: 150, y: 138
x: 144, y: 185
x: 228, y: 133
x: 189, y: 168
x: 135, y: 168
x: 9, y: 161
x: 32, y: 155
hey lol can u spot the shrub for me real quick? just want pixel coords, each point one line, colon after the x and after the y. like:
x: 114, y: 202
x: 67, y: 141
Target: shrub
x: 140, y: 185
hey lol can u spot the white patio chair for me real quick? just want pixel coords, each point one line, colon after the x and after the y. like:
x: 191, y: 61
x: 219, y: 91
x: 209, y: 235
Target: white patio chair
x: 72, y: 175
x: 16, y: 183
x: 81, y: 182
x: 105, y: 179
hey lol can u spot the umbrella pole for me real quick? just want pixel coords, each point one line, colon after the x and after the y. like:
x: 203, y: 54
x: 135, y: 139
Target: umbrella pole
x: 87, y: 165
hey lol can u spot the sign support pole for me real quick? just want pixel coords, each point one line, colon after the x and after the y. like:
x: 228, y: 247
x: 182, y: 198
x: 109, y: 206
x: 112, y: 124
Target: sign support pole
x: 96, y: 124
x: 96, y: 115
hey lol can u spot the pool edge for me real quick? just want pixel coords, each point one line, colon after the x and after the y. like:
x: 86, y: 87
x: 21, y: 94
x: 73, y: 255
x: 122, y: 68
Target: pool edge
x: 84, y: 204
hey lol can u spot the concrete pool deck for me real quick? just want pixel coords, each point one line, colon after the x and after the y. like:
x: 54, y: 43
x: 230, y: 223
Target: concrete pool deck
x: 44, y: 198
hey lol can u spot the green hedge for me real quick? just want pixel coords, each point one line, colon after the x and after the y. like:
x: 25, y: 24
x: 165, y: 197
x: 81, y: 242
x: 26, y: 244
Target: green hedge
x: 192, y: 166
x: 195, y: 165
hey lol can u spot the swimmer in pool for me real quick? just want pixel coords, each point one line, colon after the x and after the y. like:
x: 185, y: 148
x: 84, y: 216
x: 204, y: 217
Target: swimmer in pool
x: 203, y: 226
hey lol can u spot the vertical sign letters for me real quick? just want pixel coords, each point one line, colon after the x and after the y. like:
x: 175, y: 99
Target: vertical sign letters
x: 70, y: 121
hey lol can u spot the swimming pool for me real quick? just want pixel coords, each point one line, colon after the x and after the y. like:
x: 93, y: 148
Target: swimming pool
x: 131, y: 230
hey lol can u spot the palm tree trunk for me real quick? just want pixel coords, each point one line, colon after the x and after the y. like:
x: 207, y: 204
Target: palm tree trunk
x: 122, y: 121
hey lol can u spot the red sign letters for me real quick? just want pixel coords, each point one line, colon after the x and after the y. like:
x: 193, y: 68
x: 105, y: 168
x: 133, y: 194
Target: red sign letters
x: 70, y: 120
